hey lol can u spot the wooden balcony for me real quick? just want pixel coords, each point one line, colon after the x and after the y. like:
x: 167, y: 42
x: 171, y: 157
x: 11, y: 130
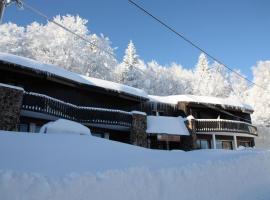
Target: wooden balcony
x: 222, y: 125
x: 39, y: 103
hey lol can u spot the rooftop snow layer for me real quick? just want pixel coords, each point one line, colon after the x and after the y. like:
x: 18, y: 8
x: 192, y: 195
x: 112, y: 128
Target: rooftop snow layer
x: 33, y: 64
x: 11, y: 86
x: 224, y: 102
x: 174, y: 99
x: 167, y: 125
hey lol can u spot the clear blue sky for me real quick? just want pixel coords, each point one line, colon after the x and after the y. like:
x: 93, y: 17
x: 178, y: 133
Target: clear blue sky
x: 235, y: 31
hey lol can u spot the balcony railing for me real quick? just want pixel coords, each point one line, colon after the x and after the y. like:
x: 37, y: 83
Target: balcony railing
x: 86, y: 115
x: 222, y: 125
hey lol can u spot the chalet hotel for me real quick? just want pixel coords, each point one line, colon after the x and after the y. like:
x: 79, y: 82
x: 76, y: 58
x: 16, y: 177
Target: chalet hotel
x: 33, y: 94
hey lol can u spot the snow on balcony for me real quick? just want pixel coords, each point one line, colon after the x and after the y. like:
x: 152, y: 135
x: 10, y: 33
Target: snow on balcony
x: 166, y: 125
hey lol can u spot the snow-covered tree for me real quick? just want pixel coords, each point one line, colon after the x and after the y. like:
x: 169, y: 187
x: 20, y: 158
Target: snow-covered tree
x: 201, y: 77
x: 130, y: 71
x: 239, y: 87
x: 11, y: 38
x: 210, y: 79
x: 219, y: 85
x: 259, y: 95
x: 51, y: 44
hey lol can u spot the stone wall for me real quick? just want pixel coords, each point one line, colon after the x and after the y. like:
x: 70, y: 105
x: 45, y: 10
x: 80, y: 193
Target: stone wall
x: 138, y: 134
x: 10, y: 106
x: 191, y: 141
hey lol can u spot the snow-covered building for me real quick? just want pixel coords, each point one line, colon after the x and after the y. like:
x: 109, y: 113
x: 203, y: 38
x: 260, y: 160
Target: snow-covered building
x: 216, y: 122
x: 33, y: 93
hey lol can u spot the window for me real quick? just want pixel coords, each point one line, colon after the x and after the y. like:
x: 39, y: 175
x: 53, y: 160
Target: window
x: 37, y: 129
x: 23, y: 127
x: 224, y: 144
x: 203, y: 144
x: 157, y: 113
x: 154, y: 113
x: 245, y: 143
x: 160, y: 113
x: 97, y: 135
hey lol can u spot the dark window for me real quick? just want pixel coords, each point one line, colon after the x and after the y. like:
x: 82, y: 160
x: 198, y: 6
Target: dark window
x: 203, y: 144
x: 245, y: 143
x: 37, y: 129
x: 160, y: 113
x: 23, y: 127
x: 154, y: 113
x: 224, y: 144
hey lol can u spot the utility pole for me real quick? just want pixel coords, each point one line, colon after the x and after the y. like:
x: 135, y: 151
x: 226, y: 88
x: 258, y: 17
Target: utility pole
x: 5, y: 3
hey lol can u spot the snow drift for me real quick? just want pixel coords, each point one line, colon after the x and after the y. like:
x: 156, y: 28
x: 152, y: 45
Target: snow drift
x: 55, y: 166
x: 65, y: 126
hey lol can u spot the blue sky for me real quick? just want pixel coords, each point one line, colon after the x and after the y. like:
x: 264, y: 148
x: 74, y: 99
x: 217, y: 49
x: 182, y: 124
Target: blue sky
x: 236, y: 32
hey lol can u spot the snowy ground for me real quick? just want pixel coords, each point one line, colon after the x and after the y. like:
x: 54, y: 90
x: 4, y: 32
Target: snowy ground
x: 56, y: 166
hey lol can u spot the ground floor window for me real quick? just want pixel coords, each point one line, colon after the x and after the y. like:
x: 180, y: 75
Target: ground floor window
x: 203, y: 144
x: 245, y: 143
x: 224, y: 144
x: 23, y: 127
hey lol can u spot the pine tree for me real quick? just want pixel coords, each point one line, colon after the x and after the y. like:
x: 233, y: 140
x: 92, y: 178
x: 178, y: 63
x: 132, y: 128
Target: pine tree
x: 259, y: 96
x: 202, y: 76
x: 239, y: 87
x: 130, y: 70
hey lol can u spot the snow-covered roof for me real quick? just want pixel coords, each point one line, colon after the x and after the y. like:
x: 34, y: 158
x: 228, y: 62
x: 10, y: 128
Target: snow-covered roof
x: 224, y: 102
x: 11, y: 86
x: 166, y: 125
x: 58, y: 71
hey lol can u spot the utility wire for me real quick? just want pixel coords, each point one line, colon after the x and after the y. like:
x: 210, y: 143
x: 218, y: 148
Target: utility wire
x: 65, y: 28
x: 108, y: 52
x: 190, y: 42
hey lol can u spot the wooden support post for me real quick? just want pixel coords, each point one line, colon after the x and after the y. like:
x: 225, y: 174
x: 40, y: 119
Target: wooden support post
x: 214, y: 144
x: 234, y: 142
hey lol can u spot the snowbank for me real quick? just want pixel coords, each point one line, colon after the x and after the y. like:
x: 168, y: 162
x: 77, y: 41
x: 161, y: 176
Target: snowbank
x: 167, y: 125
x: 54, y: 166
x: 229, y: 102
x: 55, y: 70
x: 65, y: 127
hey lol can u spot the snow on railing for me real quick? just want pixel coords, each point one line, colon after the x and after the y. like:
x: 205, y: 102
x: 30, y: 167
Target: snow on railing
x: 224, y: 125
x: 52, y: 106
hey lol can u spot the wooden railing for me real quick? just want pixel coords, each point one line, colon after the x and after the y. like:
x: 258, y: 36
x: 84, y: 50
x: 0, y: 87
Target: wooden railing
x: 86, y: 115
x: 222, y: 125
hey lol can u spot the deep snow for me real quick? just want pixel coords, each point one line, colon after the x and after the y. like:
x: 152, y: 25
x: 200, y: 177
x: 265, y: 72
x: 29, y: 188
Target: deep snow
x: 66, y: 166
x: 65, y: 126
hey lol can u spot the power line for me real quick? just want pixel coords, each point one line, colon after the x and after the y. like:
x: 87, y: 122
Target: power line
x: 190, y: 42
x: 65, y: 28
x: 108, y: 52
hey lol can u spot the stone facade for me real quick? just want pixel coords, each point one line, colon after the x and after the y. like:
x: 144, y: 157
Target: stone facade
x: 10, y: 106
x: 138, y: 134
x: 191, y: 142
